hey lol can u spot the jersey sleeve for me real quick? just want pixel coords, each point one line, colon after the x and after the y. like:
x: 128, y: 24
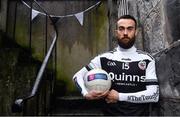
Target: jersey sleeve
x: 79, y: 81
x: 95, y: 63
x: 78, y: 77
x: 151, y: 94
x: 151, y: 78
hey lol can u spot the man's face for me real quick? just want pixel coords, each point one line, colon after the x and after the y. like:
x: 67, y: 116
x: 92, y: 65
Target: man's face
x: 126, y: 33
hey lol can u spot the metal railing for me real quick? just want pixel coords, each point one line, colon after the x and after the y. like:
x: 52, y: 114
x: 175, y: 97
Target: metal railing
x: 39, y: 101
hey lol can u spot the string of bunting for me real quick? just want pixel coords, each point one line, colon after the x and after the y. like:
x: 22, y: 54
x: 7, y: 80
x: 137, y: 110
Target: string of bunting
x: 79, y: 15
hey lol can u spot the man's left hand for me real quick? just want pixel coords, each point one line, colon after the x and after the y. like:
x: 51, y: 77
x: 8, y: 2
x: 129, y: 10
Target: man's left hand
x: 112, y: 96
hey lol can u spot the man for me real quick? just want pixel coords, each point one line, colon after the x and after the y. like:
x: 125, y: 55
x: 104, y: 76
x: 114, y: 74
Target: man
x: 134, y: 81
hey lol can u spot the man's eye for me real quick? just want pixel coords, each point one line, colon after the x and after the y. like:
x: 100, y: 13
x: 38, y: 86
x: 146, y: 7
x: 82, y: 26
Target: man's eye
x: 130, y: 28
x: 121, y: 29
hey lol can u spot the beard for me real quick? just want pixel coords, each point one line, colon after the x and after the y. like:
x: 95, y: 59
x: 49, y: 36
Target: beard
x: 126, y: 45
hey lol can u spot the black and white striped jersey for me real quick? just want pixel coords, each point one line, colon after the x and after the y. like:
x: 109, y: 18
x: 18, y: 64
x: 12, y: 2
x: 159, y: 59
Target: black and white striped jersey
x: 132, y: 73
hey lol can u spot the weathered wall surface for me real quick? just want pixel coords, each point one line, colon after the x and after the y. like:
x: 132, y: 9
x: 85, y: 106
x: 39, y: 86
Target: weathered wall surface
x: 3, y: 14
x: 17, y: 73
x: 168, y: 65
x: 152, y: 20
x: 160, y: 30
x: 75, y: 47
x: 76, y: 44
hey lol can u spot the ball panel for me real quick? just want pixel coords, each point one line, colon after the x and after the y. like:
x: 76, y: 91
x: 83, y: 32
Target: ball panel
x: 98, y: 88
x: 97, y: 79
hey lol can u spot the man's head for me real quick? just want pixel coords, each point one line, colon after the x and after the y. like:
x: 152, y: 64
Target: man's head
x: 126, y: 31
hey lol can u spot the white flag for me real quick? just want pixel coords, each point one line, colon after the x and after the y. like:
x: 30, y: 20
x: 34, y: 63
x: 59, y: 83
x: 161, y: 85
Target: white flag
x: 34, y: 14
x: 80, y: 17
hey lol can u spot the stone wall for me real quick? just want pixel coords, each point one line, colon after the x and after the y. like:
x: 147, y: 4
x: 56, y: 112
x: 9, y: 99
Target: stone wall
x: 168, y: 65
x: 151, y: 18
x: 3, y: 14
x: 160, y: 39
x: 76, y: 44
x: 17, y: 73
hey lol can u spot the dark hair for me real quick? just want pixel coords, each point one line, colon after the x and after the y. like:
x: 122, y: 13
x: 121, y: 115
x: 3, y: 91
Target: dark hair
x: 128, y: 17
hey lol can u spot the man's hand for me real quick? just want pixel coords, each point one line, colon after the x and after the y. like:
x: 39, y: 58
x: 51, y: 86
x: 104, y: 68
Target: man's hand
x: 112, y: 96
x: 93, y: 95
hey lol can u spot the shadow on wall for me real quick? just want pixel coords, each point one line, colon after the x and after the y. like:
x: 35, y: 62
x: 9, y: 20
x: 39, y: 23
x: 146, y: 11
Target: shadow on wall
x: 168, y: 66
x: 172, y: 8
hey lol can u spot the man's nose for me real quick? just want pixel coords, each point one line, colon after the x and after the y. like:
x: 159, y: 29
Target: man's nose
x: 125, y: 32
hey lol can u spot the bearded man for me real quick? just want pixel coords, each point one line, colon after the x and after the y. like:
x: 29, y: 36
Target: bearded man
x: 133, y: 74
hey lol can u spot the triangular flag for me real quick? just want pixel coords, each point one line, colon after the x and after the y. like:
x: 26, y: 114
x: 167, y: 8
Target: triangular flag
x: 34, y: 14
x: 80, y: 17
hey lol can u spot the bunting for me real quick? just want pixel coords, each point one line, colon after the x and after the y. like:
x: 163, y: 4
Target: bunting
x: 79, y: 16
x: 34, y: 14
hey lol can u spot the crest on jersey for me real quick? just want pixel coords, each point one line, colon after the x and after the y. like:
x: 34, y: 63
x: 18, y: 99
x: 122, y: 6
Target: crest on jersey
x: 142, y: 65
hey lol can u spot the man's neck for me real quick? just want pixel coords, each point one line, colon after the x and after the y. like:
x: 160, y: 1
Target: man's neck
x: 132, y: 49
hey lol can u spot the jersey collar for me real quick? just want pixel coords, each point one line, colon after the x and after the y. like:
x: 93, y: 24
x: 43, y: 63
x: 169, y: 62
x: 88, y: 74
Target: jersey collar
x: 132, y: 49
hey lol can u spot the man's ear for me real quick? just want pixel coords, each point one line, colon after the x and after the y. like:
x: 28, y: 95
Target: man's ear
x: 115, y: 33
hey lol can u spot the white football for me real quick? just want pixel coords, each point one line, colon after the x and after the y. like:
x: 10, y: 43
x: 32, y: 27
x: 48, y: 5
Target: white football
x: 97, y: 79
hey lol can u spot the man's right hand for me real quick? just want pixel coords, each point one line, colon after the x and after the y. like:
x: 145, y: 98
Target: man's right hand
x: 94, y: 95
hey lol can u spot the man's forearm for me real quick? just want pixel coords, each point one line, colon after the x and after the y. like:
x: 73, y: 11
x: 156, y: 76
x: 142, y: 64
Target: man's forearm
x: 149, y: 95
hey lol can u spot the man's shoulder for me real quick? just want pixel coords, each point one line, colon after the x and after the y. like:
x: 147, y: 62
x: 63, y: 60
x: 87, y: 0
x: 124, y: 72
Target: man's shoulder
x: 107, y: 53
x: 144, y: 53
